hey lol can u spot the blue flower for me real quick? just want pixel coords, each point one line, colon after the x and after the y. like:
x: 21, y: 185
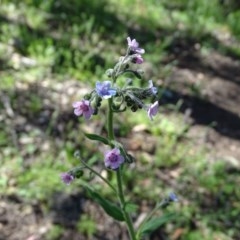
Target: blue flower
x: 152, y: 88
x: 153, y: 110
x: 173, y: 197
x: 105, y: 90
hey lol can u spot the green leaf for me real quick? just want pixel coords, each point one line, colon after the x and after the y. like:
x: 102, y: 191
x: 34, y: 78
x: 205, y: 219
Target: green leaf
x: 138, y: 75
x: 110, y: 208
x: 135, y: 73
x: 155, y: 223
x: 131, y: 207
x: 97, y: 138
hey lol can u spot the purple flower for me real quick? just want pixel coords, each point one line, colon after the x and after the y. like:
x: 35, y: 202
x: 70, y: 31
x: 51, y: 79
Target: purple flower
x: 104, y: 89
x: 152, y: 88
x: 133, y: 45
x: 67, y: 178
x: 173, y: 197
x: 152, y: 110
x: 83, y: 108
x: 137, y: 59
x: 113, y: 159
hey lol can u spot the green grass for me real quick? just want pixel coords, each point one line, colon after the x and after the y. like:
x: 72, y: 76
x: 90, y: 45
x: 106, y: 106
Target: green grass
x: 55, y: 233
x: 87, y: 226
x: 80, y: 41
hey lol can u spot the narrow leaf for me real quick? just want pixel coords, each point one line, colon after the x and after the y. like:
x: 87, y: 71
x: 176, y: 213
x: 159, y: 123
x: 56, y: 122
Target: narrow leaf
x: 110, y: 208
x: 97, y: 138
x: 155, y: 223
x: 135, y: 73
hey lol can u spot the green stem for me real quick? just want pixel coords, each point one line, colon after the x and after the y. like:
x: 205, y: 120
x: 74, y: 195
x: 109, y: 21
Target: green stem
x: 146, y: 219
x: 119, y: 66
x: 149, y: 216
x: 119, y: 176
x: 122, y: 201
x: 99, y: 175
x: 110, y: 120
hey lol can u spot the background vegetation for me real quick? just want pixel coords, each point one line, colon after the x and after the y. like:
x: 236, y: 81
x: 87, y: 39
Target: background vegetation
x: 51, y: 53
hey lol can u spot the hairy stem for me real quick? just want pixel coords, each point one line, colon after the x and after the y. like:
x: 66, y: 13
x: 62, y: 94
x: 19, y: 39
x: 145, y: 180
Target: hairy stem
x: 119, y: 176
x: 99, y: 175
x: 122, y: 201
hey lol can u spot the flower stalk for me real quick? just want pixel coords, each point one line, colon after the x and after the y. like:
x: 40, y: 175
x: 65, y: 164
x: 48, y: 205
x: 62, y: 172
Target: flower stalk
x: 119, y: 176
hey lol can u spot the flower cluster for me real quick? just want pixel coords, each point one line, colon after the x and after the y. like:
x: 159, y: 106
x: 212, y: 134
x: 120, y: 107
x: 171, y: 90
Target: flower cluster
x: 131, y: 97
x: 123, y: 97
x: 135, y: 51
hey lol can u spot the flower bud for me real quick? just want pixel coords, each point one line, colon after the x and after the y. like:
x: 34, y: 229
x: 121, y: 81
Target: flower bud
x: 134, y: 108
x: 116, y: 106
x: 109, y: 72
x: 79, y: 173
x: 98, y: 101
x: 87, y: 96
x: 129, y: 103
x: 95, y: 111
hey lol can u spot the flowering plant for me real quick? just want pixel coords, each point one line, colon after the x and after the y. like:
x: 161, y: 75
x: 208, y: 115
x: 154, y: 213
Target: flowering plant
x: 117, y: 158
